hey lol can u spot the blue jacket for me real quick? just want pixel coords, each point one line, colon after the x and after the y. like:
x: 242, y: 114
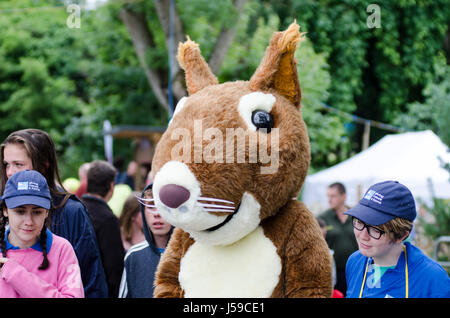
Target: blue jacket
x: 72, y: 222
x: 427, y: 279
x: 138, y: 275
x: 141, y: 262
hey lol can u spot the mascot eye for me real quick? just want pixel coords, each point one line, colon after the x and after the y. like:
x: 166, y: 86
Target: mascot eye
x: 262, y: 119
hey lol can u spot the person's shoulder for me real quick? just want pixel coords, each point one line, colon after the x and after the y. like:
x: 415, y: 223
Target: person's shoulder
x: 74, y: 212
x: 73, y: 204
x: 326, y: 214
x: 355, y: 263
x: 137, y: 249
x: 430, y: 278
x: 98, y: 206
x: 60, y: 243
x: 425, y: 263
x: 71, y: 221
x: 355, y: 257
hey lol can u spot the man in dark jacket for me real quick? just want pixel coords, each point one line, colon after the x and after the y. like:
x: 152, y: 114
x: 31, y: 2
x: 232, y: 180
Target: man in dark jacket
x: 340, y: 236
x: 100, y: 187
x: 142, y: 259
x: 71, y: 221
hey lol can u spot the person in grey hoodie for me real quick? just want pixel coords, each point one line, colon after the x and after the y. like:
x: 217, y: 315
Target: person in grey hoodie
x: 142, y: 259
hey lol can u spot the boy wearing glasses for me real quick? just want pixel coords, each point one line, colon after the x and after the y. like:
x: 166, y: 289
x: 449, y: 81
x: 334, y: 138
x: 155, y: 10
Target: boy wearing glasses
x: 385, y: 266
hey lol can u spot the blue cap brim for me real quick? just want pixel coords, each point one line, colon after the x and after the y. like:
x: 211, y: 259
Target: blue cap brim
x: 14, y: 202
x: 369, y: 215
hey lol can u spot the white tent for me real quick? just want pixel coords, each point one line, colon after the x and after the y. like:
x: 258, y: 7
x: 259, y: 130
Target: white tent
x: 410, y: 158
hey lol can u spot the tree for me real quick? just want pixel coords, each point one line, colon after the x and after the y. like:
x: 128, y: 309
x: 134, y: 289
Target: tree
x: 67, y: 81
x: 434, y: 112
x: 34, y: 61
x: 240, y: 58
x: 375, y: 72
x: 135, y: 17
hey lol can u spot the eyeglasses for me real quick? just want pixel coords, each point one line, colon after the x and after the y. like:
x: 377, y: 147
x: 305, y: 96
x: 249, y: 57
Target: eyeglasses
x: 372, y: 231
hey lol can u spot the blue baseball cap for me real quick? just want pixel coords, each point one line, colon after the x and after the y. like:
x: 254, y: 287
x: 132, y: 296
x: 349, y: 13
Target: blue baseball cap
x: 384, y: 201
x: 27, y: 187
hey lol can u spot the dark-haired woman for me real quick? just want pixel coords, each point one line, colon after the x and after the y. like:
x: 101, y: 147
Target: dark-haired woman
x: 35, y: 263
x: 34, y: 149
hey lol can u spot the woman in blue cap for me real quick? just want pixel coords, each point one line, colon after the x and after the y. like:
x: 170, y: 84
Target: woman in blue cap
x: 385, y: 266
x: 34, y: 262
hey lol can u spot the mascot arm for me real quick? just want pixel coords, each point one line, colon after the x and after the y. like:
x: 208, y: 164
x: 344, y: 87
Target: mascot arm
x: 167, y: 284
x: 308, y: 262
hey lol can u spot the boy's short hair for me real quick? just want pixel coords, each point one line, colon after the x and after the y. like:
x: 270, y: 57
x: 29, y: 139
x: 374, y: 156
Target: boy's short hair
x: 339, y: 186
x: 99, y: 177
x: 396, y: 228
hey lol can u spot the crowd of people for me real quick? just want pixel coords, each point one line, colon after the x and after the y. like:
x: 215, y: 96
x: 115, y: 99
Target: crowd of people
x: 83, y: 244
x: 55, y: 243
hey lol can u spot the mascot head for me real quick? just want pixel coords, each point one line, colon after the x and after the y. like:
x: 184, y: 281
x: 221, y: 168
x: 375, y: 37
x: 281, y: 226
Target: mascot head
x: 234, y: 153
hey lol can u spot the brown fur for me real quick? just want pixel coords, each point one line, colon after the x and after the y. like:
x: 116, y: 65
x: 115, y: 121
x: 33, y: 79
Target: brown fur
x: 300, y: 244
x: 167, y: 284
x: 199, y: 74
x: 305, y: 260
x: 278, y: 68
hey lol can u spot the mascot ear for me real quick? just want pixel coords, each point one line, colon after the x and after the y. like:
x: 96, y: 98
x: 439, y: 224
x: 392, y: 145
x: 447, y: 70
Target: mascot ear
x: 198, y: 73
x: 277, y: 69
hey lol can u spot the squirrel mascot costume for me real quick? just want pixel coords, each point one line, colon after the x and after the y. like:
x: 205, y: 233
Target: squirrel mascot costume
x: 227, y: 173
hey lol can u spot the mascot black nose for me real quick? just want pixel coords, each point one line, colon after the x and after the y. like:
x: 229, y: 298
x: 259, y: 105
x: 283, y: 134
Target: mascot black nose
x: 173, y: 195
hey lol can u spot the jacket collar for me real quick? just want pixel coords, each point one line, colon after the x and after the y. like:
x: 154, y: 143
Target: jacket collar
x: 400, y: 266
x: 37, y: 246
x: 93, y: 198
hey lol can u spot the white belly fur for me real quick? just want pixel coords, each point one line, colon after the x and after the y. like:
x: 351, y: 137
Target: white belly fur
x: 247, y: 268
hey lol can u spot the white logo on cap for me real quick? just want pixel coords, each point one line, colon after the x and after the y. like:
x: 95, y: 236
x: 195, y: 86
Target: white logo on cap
x: 25, y: 185
x: 22, y: 185
x: 374, y: 196
x: 34, y: 186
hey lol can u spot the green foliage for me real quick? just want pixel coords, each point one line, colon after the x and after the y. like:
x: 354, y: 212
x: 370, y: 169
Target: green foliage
x: 440, y: 212
x: 35, y: 90
x: 434, y: 112
x: 439, y: 225
x: 68, y: 81
x: 375, y: 72
x: 202, y: 20
x: 247, y: 50
x: 326, y: 132
x: 437, y: 222
x: 337, y: 28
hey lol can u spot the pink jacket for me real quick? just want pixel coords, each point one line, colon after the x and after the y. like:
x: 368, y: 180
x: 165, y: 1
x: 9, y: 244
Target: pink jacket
x: 21, y: 278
